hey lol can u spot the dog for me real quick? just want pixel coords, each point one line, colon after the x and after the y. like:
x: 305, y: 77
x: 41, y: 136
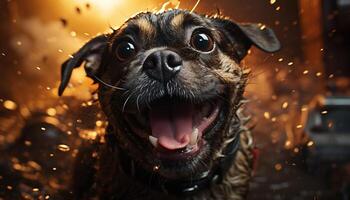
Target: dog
x: 171, y: 86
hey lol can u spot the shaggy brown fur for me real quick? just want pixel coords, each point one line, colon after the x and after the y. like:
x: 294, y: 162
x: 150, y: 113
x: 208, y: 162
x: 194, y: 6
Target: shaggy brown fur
x: 204, y: 76
x: 234, y: 185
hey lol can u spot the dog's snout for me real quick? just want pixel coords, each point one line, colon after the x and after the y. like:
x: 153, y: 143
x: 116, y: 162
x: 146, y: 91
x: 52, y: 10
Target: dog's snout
x: 162, y: 65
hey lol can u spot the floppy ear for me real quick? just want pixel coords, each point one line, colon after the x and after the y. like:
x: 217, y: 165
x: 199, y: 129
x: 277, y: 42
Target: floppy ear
x: 262, y: 37
x: 243, y: 36
x: 91, y: 53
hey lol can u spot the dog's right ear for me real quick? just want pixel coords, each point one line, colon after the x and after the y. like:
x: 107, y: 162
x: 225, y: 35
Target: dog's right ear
x: 91, y: 53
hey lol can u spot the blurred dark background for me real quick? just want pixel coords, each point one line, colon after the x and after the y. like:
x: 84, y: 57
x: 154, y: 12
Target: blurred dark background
x: 37, y: 36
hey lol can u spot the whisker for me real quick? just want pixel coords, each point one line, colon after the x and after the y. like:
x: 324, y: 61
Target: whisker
x: 126, y: 101
x: 137, y: 103
x: 106, y: 84
x: 148, y: 100
x: 125, y: 93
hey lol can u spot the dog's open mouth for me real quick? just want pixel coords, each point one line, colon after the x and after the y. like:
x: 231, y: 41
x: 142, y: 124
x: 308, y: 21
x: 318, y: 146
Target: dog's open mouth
x: 175, y: 127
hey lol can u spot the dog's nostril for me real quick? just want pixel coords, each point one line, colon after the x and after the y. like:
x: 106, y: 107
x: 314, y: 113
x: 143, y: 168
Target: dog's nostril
x: 174, y: 61
x: 152, y: 62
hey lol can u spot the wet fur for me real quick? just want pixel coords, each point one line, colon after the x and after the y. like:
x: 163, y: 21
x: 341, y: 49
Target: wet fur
x: 214, y: 75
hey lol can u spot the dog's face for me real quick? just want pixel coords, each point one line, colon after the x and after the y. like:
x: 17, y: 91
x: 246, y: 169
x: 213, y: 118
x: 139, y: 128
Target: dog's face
x: 170, y: 84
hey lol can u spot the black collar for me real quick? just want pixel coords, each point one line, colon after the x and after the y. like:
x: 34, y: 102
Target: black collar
x: 181, y: 187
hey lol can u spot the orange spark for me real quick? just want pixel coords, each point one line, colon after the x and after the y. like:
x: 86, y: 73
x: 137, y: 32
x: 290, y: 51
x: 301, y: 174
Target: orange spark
x: 195, y: 6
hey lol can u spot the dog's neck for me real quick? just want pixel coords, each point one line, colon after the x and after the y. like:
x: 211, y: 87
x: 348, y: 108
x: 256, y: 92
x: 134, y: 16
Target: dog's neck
x: 182, y: 187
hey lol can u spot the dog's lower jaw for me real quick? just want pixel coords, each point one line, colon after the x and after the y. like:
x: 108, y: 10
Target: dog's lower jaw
x: 113, y: 183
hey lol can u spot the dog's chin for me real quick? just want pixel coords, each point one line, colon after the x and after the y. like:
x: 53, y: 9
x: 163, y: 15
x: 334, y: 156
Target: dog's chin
x: 176, y: 134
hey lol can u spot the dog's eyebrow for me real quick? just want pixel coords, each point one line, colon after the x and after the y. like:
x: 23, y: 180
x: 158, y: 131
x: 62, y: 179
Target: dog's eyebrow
x: 177, y: 20
x: 140, y: 27
x: 130, y: 29
x: 137, y: 28
x: 145, y: 26
x: 187, y: 20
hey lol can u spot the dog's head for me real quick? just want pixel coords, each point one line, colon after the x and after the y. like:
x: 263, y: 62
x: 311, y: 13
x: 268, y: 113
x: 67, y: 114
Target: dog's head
x: 170, y: 85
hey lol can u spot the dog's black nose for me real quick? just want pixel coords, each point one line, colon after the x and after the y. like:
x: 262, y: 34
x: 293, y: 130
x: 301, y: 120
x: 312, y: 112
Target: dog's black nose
x: 162, y: 65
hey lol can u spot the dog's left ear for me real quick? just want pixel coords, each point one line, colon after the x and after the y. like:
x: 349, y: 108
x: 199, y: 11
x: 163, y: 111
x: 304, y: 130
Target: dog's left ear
x: 243, y: 36
x: 91, y: 53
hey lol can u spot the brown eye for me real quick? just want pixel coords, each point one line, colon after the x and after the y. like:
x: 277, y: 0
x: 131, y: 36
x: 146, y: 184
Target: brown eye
x: 202, y: 42
x: 125, y: 50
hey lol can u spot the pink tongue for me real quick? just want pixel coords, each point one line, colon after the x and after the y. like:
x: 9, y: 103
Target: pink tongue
x: 172, y: 124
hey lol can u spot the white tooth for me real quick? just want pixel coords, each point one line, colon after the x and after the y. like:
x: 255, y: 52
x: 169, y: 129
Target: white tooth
x: 153, y: 140
x: 194, y: 137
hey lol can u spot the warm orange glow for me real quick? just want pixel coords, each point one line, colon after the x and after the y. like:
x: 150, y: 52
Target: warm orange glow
x: 104, y: 9
x: 285, y: 105
x: 310, y: 143
x: 51, y: 111
x: 43, y: 34
x: 278, y: 167
x: 10, y: 105
x: 105, y: 5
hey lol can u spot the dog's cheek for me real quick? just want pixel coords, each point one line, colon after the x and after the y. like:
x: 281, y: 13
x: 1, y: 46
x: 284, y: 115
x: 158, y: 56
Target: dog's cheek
x: 229, y: 71
x: 198, y: 79
x: 133, y: 70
